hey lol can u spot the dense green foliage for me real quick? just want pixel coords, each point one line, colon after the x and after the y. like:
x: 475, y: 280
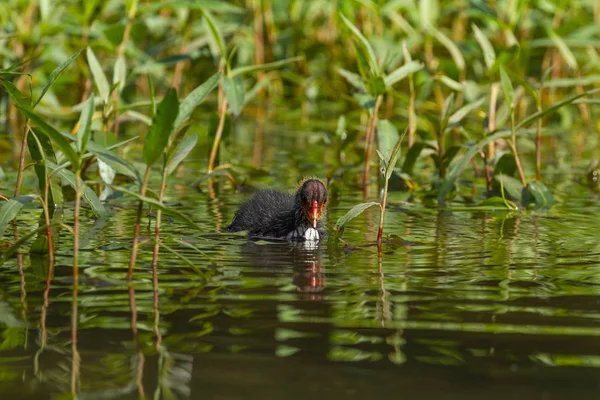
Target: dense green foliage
x: 479, y: 86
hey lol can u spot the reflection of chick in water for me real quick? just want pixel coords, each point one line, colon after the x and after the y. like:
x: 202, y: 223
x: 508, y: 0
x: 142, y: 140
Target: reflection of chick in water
x: 307, y: 272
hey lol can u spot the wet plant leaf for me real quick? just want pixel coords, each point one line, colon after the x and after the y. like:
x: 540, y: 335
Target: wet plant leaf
x: 55, y: 74
x: 537, y: 193
x: 161, y: 128
x: 88, y: 194
x: 353, y: 213
x: 157, y: 204
x: 184, y: 148
x: 118, y: 164
x: 234, y: 92
x: 99, y: 76
x: 402, y: 72
x: 84, y: 129
x: 511, y: 186
x: 40, y: 148
x: 55, y: 136
x: 8, y: 212
x: 194, y: 99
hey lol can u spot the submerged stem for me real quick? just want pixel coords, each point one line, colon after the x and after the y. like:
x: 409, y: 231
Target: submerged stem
x: 138, y: 219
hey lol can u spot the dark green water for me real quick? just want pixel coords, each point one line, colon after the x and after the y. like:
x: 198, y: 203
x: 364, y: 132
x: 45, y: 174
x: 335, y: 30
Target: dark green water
x: 477, y: 305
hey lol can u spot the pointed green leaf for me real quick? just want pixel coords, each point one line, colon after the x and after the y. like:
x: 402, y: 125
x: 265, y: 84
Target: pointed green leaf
x: 194, y: 99
x: 387, y: 137
x: 40, y: 149
x: 8, y: 212
x: 157, y: 204
x: 464, y: 111
x: 353, y: 213
x: 55, y: 74
x: 57, y: 138
x: 118, y: 164
x: 564, y: 50
x: 162, y: 126
x: 402, y: 72
x: 84, y: 129
x: 507, y: 87
x: 262, y: 67
x: 353, y: 79
x: 99, y: 76
x: 452, y: 48
x: 234, y: 92
x: 214, y: 30
x: 88, y: 194
x: 364, y: 43
x: 537, y: 193
x: 120, y: 73
x: 489, y: 54
x: 16, y: 95
x: 184, y: 148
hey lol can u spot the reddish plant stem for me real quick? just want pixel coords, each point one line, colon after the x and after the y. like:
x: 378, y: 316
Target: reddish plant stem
x: 369, y: 142
x: 136, y: 229
x: 219, y: 133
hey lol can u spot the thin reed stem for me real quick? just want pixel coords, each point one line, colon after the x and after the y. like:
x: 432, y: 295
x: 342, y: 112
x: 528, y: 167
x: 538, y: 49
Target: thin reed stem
x: 136, y: 229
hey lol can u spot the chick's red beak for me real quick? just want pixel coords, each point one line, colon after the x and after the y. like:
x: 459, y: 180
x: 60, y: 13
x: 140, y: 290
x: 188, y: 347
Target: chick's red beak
x: 314, y: 212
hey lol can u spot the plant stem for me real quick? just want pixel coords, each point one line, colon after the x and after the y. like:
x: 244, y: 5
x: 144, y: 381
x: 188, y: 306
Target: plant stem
x: 138, y: 219
x: 538, y: 145
x: 22, y: 160
x: 369, y: 142
x: 75, y: 354
x: 163, y: 184
x: 382, y: 213
x: 492, y: 119
x: 76, y: 225
x: 513, y: 146
x: 219, y: 133
x: 47, y: 218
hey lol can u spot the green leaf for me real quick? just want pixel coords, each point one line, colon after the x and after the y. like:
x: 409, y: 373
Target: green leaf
x: 489, y: 54
x: 8, y: 212
x: 387, y: 137
x: 537, y: 193
x: 118, y: 164
x: 184, y: 148
x: 452, y: 48
x: 464, y: 111
x: 353, y: 213
x: 55, y: 74
x: 40, y: 149
x: 394, y: 156
x: 564, y: 50
x: 157, y: 204
x: 120, y: 73
x: 99, y: 76
x: 353, y: 79
x: 84, y: 129
x: 214, y: 30
x: 16, y: 95
x: 194, y: 99
x: 509, y: 92
x: 445, y: 116
x: 364, y: 43
x: 412, y: 156
x: 162, y: 126
x: 512, y: 186
x: 57, y: 138
x: 88, y: 194
x: 540, y: 114
x: 402, y: 72
x: 234, y: 92
x: 429, y: 10
x: 262, y: 67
